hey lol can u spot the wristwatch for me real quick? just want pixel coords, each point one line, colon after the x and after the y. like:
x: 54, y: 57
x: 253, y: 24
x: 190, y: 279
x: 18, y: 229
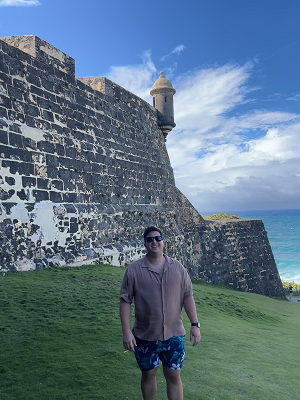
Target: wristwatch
x: 196, y: 324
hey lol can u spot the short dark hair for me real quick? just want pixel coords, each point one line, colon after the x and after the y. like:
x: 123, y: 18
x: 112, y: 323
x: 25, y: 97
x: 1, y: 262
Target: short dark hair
x: 151, y: 229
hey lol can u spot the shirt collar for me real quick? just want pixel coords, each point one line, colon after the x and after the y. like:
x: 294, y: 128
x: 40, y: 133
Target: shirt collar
x: 146, y: 264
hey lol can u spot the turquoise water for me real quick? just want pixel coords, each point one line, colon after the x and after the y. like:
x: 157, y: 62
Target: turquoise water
x: 283, y: 227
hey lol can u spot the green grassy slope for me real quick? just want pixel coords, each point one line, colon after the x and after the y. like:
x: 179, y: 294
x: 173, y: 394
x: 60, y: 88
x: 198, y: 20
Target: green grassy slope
x: 60, y: 338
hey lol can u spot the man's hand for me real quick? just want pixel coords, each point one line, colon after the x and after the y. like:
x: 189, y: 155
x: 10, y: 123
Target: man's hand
x: 195, y: 333
x: 129, y: 341
x: 190, y: 309
x: 128, y: 338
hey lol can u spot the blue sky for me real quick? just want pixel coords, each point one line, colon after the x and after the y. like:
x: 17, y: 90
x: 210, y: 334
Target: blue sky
x: 235, y: 65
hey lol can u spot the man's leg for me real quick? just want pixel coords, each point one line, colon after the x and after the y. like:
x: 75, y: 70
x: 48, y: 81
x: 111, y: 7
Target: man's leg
x: 148, y: 384
x: 174, y: 384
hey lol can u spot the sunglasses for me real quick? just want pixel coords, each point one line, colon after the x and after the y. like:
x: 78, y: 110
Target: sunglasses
x: 150, y: 239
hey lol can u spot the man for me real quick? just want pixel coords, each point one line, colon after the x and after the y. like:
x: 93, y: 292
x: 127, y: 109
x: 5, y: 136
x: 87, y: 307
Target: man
x: 290, y: 291
x: 160, y: 287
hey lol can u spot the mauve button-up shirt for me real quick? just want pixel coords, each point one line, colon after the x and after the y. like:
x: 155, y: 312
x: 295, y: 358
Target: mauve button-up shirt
x: 158, y: 298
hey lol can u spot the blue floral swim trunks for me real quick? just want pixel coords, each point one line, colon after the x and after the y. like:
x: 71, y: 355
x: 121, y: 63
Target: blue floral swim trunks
x: 170, y: 352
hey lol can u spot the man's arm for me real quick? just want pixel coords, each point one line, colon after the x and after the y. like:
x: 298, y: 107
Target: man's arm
x: 190, y: 309
x: 128, y: 338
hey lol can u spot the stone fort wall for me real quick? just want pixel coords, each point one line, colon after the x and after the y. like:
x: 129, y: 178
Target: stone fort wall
x: 84, y: 168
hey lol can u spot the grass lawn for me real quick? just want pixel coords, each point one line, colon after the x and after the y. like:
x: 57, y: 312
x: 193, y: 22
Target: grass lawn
x: 60, y: 337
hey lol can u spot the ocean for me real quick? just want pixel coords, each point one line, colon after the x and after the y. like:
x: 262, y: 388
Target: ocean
x: 283, y: 227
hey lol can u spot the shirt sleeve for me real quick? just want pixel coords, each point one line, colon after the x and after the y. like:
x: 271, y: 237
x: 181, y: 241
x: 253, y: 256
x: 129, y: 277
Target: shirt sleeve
x: 127, y: 288
x: 188, y: 288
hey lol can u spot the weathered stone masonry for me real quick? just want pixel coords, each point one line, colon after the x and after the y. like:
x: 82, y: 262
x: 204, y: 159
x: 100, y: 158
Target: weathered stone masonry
x: 84, y: 169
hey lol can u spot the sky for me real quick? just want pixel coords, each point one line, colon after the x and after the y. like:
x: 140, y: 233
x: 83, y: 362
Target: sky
x: 235, y: 65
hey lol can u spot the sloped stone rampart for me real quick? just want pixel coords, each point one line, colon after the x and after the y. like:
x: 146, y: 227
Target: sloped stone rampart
x: 230, y: 253
x: 83, y: 170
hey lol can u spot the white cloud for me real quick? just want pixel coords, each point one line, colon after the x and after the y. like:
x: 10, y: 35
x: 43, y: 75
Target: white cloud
x: 177, y: 50
x: 296, y: 97
x: 225, y: 160
x: 138, y: 79
x: 19, y: 3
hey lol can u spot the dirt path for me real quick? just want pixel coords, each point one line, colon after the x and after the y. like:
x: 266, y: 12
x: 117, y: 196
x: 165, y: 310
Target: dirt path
x: 294, y: 299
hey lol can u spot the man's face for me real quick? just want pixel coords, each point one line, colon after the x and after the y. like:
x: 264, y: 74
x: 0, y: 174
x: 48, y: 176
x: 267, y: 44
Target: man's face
x: 154, y: 248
